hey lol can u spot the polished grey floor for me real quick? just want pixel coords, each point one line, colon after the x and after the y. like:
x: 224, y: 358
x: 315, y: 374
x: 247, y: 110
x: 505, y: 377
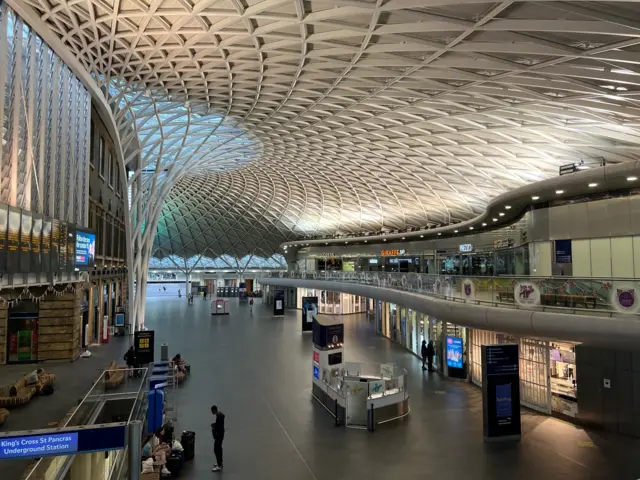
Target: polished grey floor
x: 257, y: 369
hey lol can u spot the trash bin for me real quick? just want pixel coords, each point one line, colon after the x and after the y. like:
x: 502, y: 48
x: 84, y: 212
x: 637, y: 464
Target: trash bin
x: 164, y: 352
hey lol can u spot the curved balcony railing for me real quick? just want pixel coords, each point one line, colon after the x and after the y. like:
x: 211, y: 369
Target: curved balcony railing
x: 595, y: 296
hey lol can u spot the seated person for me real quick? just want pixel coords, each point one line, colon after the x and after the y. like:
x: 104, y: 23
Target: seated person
x: 179, y: 365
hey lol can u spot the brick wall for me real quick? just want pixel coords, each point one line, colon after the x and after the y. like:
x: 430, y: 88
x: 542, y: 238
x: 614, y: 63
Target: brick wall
x: 60, y: 327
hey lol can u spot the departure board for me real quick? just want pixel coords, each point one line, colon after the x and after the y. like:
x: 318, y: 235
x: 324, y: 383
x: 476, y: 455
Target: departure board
x: 62, y: 254
x: 55, y: 245
x: 46, y: 245
x: 26, y: 223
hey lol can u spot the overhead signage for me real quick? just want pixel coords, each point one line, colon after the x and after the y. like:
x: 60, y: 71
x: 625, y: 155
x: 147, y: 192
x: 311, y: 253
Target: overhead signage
x: 503, y: 243
x: 86, y: 440
x: 392, y: 253
x: 454, y: 352
x: 466, y: 247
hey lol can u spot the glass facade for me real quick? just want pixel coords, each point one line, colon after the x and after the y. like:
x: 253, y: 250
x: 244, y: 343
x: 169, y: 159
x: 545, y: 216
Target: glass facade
x: 334, y: 303
x: 45, y: 112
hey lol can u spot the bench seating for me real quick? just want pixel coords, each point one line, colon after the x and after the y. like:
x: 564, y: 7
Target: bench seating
x: 114, y: 375
x: 567, y: 300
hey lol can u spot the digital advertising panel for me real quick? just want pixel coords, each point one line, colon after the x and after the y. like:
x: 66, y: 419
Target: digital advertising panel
x: 55, y: 245
x: 62, y: 249
x: 454, y: 352
x: 85, y: 249
x: 71, y: 248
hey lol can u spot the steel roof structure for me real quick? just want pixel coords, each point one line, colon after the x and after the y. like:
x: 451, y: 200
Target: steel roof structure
x: 247, y: 123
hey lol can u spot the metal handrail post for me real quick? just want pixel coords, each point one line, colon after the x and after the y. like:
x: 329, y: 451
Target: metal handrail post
x: 134, y: 453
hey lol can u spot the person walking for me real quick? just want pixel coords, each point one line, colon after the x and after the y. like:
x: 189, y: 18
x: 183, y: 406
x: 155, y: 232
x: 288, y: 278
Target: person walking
x: 251, y: 304
x: 424, y: 350
x: 430, y: 353
x: 217, y: 430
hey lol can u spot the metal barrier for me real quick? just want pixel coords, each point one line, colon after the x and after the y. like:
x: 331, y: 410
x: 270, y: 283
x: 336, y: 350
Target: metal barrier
x: 613, y: 296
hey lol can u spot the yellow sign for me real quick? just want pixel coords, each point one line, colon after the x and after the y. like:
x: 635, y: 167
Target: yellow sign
x: 391, y: 253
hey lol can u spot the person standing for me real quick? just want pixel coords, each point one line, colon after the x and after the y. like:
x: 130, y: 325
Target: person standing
x: 424, y: 351
x: 430, y: 353
x: 251, y: 304
x: 130, y: 358
x: 217, y: 430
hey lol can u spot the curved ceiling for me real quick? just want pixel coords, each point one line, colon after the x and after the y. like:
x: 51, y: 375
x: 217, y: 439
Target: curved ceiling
x: 291, y: 117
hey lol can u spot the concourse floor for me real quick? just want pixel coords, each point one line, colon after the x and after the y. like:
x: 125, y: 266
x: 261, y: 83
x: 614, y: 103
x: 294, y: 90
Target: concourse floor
x: 257, y: 369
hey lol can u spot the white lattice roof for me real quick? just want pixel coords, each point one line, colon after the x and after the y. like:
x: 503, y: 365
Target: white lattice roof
x: 278, y: 118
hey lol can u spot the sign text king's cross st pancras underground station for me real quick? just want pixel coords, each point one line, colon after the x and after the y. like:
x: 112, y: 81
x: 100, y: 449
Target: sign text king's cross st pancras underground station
x: 39, y: 445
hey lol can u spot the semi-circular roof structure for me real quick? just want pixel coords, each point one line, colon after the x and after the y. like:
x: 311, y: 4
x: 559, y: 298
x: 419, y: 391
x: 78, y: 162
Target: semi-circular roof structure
x: 254, y: 122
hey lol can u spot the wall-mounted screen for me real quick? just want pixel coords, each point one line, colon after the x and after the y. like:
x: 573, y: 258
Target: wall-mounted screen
x: 373, y: 261
x: 46, y: 245
x: 85, y: 249
x: 4, y: 221
x: 26, y: 222
x: 13, y: 241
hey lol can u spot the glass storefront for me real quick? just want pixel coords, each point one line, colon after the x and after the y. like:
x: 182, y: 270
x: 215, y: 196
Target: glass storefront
x: 509, y: 261
x: 562, y: 372
x: 334, y: 303
x: 22, y: 336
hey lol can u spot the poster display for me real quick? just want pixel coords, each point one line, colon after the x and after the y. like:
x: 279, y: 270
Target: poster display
x: 309, y: 309
x: 4, y: 223
x: 454, y: 352
x: 13, y: 241
x: 85, y: 249
x: 36, y: 238
x: 278, y: 304
x: 501, y: 392
x: 563, y: 251
x: 62, y: 248
x: 45, y: 254
x: 144, y: 346
x: 26, y: 222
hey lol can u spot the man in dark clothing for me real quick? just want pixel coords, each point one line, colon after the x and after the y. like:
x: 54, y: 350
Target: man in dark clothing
x: 217, y: 430
x: 430, y: 353
x: 424, y: 352
x: 130, y: 358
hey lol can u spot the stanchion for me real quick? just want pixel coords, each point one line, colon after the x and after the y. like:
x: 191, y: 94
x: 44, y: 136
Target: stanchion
x: 371, y: 426
x: 335, y: 411
x: 135, y: 450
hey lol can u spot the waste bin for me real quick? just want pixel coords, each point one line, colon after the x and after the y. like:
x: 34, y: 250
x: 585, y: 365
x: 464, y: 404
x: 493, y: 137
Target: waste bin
x: 164, y: 352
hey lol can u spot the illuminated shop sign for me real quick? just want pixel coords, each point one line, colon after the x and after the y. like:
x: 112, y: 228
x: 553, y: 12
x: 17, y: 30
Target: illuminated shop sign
x: 504, y: 243
x: 466, y: 247
x: 392, y: 253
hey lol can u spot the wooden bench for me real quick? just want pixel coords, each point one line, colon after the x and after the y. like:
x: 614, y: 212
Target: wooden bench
x: 567, y: 300
x: 506, y: 296
x: 114, y: 375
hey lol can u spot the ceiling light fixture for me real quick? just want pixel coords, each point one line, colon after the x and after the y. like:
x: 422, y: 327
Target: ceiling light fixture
x: 346, y: 242
x: 403, y: 238
x: 455, y: 231
x: 421, y: 236
x: 495, y: 219
x: 559, y: 192
x: 631, y: 179
x: 535, y: 197
x: 439, y: 233
x: 484, y: 224
x: 470, y: 228
x: 384, y: 239
x: 327, y: 243
x: 591, y: 185
x: 507, y: 207
x: 501, y: 214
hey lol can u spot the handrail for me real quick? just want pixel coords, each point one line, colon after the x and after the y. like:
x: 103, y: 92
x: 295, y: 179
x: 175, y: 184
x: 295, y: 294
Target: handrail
x: 615, y: 296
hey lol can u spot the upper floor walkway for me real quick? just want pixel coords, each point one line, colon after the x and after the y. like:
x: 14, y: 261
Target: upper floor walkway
x: 591, y: 310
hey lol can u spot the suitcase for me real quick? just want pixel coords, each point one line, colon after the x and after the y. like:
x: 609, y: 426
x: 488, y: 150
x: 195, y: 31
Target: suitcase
x: 188, y: 441
x: 187, y: 369
x: 174, y: 464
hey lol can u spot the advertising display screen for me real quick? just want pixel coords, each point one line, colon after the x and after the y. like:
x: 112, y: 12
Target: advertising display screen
x: 46, y: 245
x: 13, y: 241
x: 36, y: 236
x: 454, y: 352
x: 85, y: 249
x: 4, y: 222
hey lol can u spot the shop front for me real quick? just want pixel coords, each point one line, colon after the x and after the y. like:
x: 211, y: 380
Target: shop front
x: 334, y: 303
x: 547, y: 371
x: 22, y: 333
x: 501, y: 258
